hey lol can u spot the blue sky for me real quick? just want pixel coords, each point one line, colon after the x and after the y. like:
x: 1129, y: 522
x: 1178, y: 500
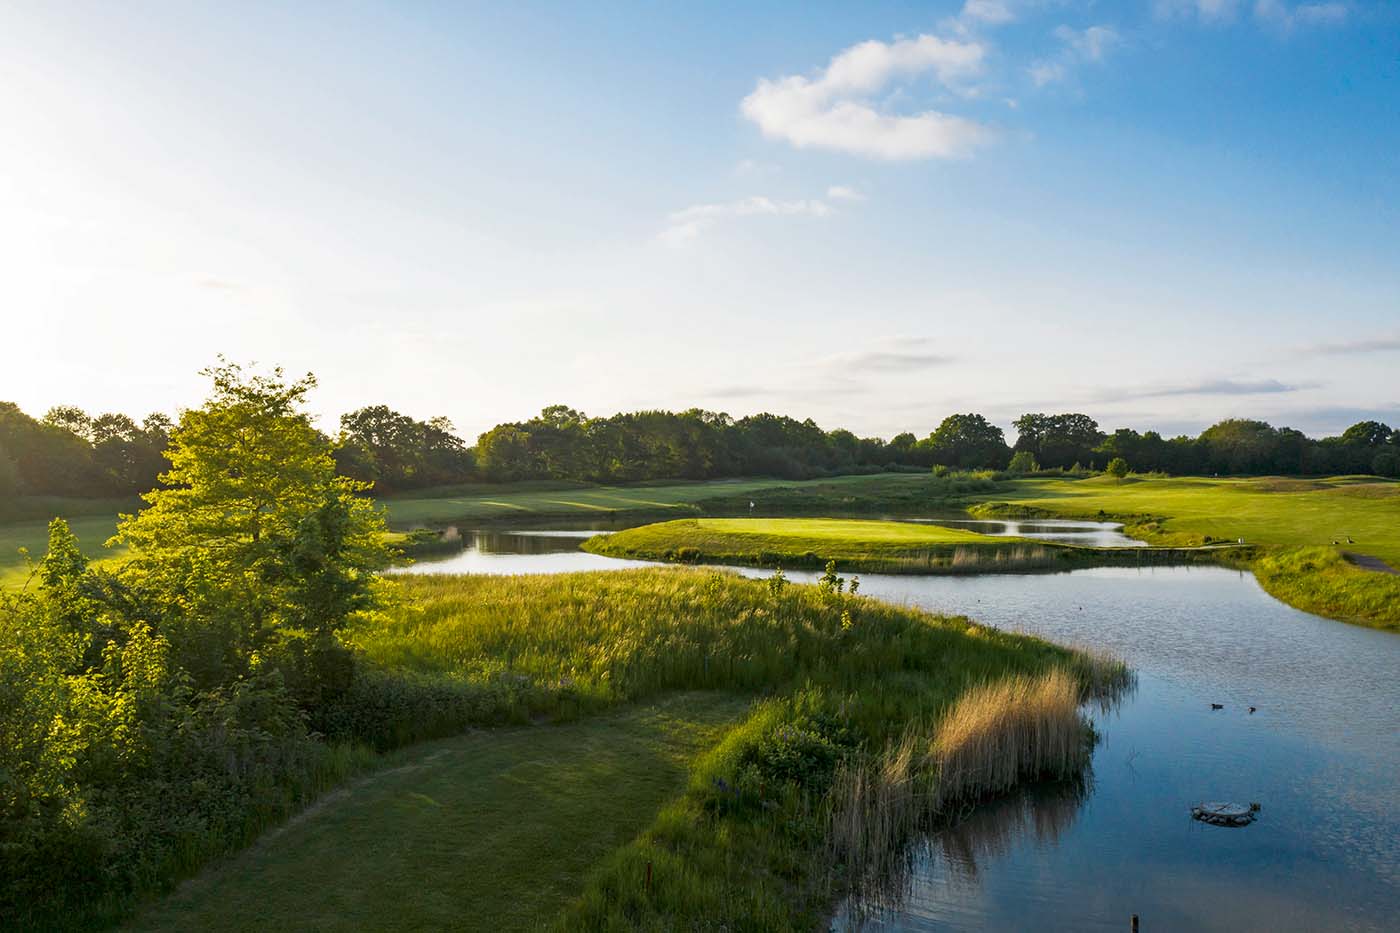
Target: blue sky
x: 1160, y: 213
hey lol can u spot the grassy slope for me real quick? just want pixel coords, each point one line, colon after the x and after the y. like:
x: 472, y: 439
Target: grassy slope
x: 439, y: 846
x: 492, y: 830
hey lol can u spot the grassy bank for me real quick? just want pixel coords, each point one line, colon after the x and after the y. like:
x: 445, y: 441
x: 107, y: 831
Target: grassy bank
x: 1303, y: 527
x: 864, y: 546
x: 798, y: 684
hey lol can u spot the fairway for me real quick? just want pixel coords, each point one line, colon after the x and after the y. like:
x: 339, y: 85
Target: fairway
x: 819, y: 529
x: 490, y: 831
x: 1271, y: 511
x: 527, y: 500
x: 92, y: 531
x: 858, y: 545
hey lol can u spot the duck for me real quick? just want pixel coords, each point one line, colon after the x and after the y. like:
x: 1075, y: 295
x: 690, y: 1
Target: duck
x: 1252, y: 709
x: 1217, y: 706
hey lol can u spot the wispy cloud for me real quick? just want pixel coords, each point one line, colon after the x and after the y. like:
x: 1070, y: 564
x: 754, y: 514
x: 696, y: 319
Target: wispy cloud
x: 1275, y: 13
x: 885, y: 361
x: 1206, y: 387
x: 833, y: 109
x: 1077, y: 46
x: 976, y: 13
x: 845, y: 193
x: 1280, y: 15
x: 685, y: 225
x: 1379, y: 344
x: 1206, y: 10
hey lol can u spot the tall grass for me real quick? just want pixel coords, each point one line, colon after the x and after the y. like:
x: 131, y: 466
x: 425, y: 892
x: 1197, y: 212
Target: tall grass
x: 994, y: 736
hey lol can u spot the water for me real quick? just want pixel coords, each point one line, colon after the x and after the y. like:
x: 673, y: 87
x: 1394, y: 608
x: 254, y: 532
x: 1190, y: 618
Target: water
x: 1321, y: 755
x: 521, y: 551
x: 1062, y: 531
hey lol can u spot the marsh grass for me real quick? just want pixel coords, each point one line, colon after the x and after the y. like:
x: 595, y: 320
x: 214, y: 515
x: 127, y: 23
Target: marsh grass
x: 993, y: 737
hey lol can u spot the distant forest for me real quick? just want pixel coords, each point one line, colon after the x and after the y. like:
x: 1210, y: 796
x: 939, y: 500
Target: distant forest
x: 71, y: 453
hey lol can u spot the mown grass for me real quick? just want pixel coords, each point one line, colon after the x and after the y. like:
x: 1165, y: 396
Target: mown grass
x: 856, y: 545
x: 1302, y: 525
x: 491, y: 830
x: 1275, y: 512
x: 832, y: 679
x: 523, y: 502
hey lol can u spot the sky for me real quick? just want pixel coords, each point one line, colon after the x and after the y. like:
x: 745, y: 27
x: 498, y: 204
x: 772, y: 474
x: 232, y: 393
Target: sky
x: 1160, y: 213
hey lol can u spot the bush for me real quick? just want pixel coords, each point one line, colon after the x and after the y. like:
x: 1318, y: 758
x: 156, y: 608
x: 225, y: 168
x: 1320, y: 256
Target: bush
x: 1117, y: 467
x: 1023, y: 462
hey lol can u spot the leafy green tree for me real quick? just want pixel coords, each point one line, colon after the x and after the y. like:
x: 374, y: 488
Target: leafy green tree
x: 969, y: 441
x: 1022, y: 462
x: 257, y: 546
x: 1058, y: 440
x: 1367, y: 434
x: 1117, y: 467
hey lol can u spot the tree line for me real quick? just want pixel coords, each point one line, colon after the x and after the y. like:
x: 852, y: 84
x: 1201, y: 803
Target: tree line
x: 70, y: 453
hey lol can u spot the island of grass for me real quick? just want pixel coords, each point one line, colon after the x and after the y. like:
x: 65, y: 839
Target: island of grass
x: 864, y: 546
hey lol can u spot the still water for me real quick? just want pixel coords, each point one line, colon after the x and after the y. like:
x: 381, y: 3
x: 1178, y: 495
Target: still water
x: 1321, y: 755
x: 1059, y: 530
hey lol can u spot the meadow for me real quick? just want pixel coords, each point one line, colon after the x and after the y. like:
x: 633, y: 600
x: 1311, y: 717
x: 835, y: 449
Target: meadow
x: 683, y: 735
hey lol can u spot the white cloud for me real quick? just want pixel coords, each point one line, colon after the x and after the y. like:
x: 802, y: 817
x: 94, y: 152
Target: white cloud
x: 1077, y: 47
x: 832, y: 110
x: 1047, y: 72
x: 685, y: 225
x: 992, y: 12
x: 844, y: 193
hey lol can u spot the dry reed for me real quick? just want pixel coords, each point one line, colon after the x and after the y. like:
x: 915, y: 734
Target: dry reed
x: 994, y: 736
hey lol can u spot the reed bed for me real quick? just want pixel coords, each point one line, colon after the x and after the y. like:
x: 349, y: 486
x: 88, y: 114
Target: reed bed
x: 994, y: 736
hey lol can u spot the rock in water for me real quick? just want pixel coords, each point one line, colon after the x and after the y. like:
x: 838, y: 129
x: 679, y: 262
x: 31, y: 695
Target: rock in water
x: 1225, y: 814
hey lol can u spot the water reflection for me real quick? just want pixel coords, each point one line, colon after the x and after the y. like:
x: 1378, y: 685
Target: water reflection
x: 1062, y: 531
x: 552, y: 550
x: 1321, y: 755
x: 1039, y: 814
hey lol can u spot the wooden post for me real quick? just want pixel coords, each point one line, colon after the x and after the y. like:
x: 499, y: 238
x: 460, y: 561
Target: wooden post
x: 649, y: 889
x: 1135, y: 923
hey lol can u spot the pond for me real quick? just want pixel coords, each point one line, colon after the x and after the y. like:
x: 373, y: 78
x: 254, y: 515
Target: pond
x: 1059, y: 530
x: 1321, y: 755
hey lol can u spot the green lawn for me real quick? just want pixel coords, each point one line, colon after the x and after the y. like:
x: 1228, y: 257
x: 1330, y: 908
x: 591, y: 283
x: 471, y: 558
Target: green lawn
x: 1270, y: 511
x: 92, y: 530
x: 854, y: 544
x: 534, y: 500
x: 490, y: 831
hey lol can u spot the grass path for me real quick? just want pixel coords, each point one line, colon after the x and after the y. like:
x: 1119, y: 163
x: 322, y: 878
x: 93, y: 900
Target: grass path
x: 493, y: 830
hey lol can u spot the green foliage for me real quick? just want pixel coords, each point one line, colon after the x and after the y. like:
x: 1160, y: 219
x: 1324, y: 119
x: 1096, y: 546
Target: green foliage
x: 968, y: 442
x: 256, y: 544
x: 1117, y: 468
x: 1022, y: 462
x: 394, y: 452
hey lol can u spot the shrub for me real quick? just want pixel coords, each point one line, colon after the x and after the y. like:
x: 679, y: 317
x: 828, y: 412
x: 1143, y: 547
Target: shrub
x: 1117, y: 467
x: 1023, y: 462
